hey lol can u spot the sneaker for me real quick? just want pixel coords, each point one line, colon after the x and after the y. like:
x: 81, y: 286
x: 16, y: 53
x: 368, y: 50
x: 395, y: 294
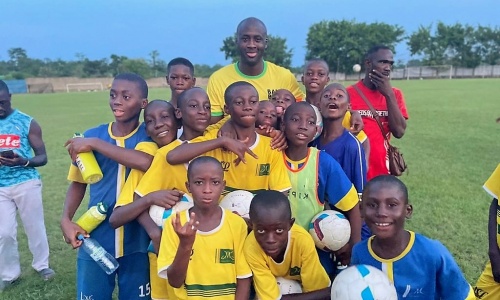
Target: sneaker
x: 47, y: 273
x: 7, y: 283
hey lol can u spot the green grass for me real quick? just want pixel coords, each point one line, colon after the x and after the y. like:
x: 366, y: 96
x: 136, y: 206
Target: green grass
x: 451, y: 147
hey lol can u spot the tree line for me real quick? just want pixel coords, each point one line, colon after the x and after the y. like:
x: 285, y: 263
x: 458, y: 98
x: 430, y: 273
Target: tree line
x: 340, y: 43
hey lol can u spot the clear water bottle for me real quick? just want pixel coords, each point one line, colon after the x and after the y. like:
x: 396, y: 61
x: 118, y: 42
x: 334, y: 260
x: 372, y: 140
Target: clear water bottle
x: 105, y: 260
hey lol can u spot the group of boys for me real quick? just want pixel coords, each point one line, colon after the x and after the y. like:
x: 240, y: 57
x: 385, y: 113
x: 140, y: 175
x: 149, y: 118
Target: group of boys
x: 209, y: 252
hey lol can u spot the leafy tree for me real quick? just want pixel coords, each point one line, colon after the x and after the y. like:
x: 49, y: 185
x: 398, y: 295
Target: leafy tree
x: 277, y: 51
x: 138, y: 66
x: 115, y: 65
x: 488, y: 44
x: 448, y: 44
x: 343, y: 43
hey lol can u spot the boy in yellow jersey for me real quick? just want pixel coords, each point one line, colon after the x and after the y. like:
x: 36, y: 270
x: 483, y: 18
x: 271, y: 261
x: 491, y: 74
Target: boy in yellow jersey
x: 164, y: 184
x: 262, y: 169
x: 201, y: 252
x: 419, y: 267
x: 488, y: 284
x: 317, y: 179
x: 277, y: 247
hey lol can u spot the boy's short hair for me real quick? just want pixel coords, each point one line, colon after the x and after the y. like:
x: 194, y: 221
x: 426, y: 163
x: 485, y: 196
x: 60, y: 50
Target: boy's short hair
x: 231, y: 87
x: 296, y: 105
x: 180, y: 61
x: 132, y: 77
x: 338, y: 86
x: 182, y: 96
x: 316, y: 59
x: 389, y: 180
x: 267, y: 200
x: 375, y: 49
x: 160, y: 102
x: 4, y: 87
x: 202, y: 160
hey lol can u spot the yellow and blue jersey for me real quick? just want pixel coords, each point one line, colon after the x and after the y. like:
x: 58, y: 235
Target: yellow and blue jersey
x: 316, y: 179
x: 109, y: 188
x: 348, y: 152
x: 424, y: 270
x: 300, y: 263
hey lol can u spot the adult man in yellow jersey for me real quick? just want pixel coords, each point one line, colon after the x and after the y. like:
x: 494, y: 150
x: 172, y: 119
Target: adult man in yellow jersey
x: 266, y: 77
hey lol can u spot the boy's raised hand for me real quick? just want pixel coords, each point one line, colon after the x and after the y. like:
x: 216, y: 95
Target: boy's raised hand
x: 228, y: 130
x: 186, y: 232
x: 238, y: 147
x: 165, y: 198
x: 78, y: 145
x: 278, y: 137
x: 356, y: 122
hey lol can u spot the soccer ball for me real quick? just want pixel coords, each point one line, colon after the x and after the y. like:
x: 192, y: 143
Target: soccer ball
x: 319, y: 122
x: 159, y: 214
x: 356, y: 68
x: 330, y: 230
x: 288, y: 286
x: 238, y: 202
x: 360, y: 282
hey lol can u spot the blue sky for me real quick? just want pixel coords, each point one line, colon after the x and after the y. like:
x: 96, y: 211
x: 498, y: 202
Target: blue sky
x: 195, y: 29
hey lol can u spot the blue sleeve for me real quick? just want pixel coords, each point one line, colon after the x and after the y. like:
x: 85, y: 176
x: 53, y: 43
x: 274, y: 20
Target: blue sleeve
x: 358, y: 165
x: 449, y: 272
x: 355, y: 254
x: 333, y: 182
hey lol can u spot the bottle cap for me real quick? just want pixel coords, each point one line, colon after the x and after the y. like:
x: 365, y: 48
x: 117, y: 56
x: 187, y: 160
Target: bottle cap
x: 102, y: 207
x: 80, y: 237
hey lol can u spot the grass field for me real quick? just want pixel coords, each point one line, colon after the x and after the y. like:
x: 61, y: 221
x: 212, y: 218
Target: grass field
x: 451, y: 147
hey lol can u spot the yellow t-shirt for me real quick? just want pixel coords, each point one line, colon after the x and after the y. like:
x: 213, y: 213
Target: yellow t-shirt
x: 162, y: 175
x: 301, y: 263
x: 492, y: 186
x: 265, y: 173
x: 272, y: 78
x: 216, y: 261
x: 135, y: 176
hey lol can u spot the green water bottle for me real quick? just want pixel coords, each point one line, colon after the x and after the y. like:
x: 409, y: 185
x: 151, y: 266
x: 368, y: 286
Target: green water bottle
x: 93, y: 217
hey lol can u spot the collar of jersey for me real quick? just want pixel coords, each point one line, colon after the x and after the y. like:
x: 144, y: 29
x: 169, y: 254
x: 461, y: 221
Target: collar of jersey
x: 400, y: 256
x: 248, y: 76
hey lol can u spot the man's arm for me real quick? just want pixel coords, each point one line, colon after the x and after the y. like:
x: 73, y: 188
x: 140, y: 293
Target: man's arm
x: 38, y: 146
x: 74, y: 197
x: 130, y: 158
x: 397, y: 123
x: 493, y: 250
x: 215, y: 119
x: 243, y: 288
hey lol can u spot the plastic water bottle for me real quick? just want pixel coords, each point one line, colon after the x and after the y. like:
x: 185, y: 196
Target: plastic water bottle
x: 93, y: 217
x: 105, y: 260
x: 86, y: 162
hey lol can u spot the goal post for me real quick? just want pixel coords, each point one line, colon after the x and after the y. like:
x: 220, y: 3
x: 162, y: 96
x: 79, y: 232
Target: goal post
x: 88, y: 87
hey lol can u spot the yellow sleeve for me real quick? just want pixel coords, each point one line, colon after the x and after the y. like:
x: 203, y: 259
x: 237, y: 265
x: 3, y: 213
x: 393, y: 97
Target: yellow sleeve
x: 168, y: 247
x: 349, y: 200
x: 471, y: 295
x: 312, y: 274
x: 278, y: 179
x: 217, y: 126
x: 295, y: 88
x: 127, y: 192
x: 75, y: 175
x: 216, y: 96
x: 346, y: 122
x: 264, y: 281
x: 492, y: 185
x: 241, y: 232
x: 149, y: 182
x: 147, y: 147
